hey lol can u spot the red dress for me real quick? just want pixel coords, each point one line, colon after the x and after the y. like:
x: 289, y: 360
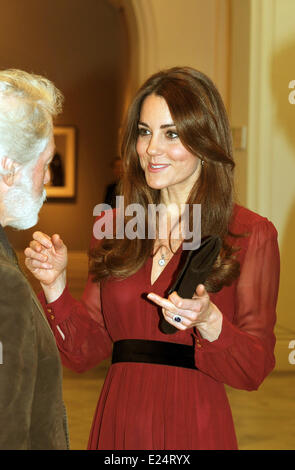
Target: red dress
x: 151, y: 406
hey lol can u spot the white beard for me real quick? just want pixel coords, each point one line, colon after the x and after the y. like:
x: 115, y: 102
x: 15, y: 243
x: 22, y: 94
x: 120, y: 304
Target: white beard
x: 21, y: 206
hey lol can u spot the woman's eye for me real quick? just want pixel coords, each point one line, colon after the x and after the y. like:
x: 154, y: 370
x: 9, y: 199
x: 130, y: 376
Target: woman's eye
x: 172, y: 134
x: 143, y: 131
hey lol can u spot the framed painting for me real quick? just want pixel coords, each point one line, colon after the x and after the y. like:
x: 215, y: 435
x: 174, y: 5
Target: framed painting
x: 63, y: 165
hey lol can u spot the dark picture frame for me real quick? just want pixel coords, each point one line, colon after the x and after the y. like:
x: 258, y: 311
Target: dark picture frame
x: 63, y: 165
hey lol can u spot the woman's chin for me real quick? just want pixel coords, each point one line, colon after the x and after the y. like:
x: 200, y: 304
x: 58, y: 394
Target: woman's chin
x: 156, y: 186
x: 154, y: 183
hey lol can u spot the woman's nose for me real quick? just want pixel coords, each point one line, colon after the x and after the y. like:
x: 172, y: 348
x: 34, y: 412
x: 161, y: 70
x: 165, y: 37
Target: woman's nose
x: 154, y: 146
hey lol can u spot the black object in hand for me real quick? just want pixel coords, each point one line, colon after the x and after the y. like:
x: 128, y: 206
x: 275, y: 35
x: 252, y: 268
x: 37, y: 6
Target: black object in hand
x: 197, y: 267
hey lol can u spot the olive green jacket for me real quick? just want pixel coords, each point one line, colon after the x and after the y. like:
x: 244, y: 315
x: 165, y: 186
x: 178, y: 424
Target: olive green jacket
x: 32, y: 413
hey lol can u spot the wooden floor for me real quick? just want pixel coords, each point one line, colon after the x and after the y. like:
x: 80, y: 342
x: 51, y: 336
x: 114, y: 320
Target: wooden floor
x: 264, y: 419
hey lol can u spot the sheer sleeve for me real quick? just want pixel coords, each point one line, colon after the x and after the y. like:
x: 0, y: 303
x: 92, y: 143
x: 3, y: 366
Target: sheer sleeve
x: 78, y: 325
x: 243, y: 354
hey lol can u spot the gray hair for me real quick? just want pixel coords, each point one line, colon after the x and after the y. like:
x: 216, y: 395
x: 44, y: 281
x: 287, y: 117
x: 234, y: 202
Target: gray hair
x: 28, y: 104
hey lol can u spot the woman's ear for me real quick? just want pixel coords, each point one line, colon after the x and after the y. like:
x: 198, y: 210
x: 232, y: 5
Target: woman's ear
x: 10, y: 168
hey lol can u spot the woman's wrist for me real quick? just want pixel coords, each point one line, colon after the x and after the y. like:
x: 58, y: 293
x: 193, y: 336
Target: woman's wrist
x: 53, y: 291
x: 210, y: 329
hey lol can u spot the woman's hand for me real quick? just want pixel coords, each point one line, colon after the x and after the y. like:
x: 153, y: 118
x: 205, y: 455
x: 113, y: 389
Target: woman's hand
x: 47, y: 259
x: 197, y: 312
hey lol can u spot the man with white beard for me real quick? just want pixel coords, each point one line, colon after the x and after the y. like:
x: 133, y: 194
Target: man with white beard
x: 32, y: 413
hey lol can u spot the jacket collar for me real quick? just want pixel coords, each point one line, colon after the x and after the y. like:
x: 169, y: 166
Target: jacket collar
x: 8, y: 252
x: 6, y: 248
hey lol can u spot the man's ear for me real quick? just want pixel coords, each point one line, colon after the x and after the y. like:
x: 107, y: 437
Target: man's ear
x: 10, y: 167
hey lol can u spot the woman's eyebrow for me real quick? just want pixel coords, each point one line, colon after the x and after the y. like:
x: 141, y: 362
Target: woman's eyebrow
x: 163, y: 126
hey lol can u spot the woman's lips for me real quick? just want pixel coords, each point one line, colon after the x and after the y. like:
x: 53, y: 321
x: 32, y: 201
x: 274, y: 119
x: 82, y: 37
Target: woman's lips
x: 155, y: 168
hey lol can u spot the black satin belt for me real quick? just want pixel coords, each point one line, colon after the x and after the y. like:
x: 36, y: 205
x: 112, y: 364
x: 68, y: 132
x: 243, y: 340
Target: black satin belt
x: 154, y: 352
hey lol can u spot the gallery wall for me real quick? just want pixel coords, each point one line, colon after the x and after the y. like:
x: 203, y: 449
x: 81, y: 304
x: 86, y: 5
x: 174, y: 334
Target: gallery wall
x: 78, y: 45
x: 263, y: 58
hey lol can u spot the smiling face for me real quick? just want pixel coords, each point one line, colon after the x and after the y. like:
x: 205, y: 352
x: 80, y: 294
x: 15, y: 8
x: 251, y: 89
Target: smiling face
x: 163, y: 158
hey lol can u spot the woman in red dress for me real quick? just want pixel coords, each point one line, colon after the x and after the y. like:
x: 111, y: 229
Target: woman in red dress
x: 176, y: 150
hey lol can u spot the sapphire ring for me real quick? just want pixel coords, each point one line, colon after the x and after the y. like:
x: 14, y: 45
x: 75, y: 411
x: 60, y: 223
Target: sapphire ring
x: 177, y: 318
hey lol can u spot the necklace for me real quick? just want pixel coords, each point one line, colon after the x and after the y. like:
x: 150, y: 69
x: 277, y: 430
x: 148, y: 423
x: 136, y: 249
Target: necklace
x: 162, y: 260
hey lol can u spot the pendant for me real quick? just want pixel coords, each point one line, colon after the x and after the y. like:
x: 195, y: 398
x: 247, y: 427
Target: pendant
x: 162, y: 262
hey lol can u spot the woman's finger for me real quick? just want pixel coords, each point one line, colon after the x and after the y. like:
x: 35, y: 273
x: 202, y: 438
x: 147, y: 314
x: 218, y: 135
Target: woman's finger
x: 37, y: 264
x: 57, y: 242
x: 165, y: 303
x: 189, y: 314
x: 32, y: 268
x: 28, y: 263
x: 201, y: 291
x: 194, y: 304
x: 180, y: 325
x: 42, y: 238
x: 35, y: 255
x: 34, y: 245
x: 177, y: 318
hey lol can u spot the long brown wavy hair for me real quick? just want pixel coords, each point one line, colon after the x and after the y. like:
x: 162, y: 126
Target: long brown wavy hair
x: 202, y: 124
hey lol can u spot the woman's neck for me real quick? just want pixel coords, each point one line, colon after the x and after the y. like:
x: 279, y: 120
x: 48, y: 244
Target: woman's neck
x: 173, y: 200
x: 176, y: 195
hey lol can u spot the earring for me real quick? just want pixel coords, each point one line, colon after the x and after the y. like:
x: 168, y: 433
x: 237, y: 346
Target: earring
x: 202, y: 162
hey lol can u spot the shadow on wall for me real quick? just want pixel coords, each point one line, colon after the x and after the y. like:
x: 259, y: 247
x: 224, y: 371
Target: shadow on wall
x: 282, y: 73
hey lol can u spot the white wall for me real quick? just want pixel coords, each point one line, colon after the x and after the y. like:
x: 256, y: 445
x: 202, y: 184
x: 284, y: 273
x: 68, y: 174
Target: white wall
x: 239, y: 86
x: 194, y: 33
x: 263, y: 37
x: 182, y: 32
x: 282, y: 71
